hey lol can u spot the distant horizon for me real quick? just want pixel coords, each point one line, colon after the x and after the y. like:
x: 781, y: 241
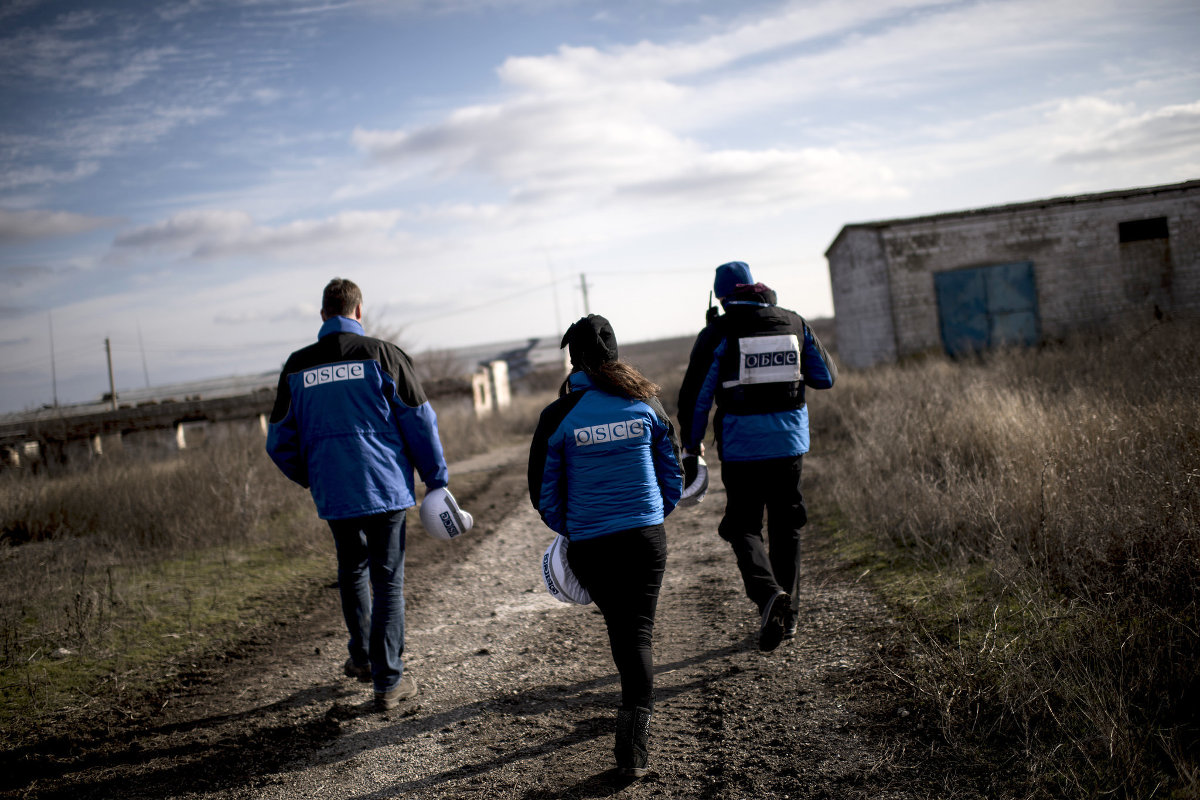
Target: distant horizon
x: 102, y: 397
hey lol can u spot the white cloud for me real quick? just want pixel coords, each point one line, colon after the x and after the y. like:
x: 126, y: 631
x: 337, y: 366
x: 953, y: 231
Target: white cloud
x: 41, y: 175
x: 187, y: 230
x: 72, y: 52
x: 647, y: 121
x: 550, y: 151
x: 1092, y: 131
x: 299, y: 312
x: 751, y: 135
x: 32, y: 224
x: 794, y: 25
x: 106, y: 134
x: 87, y: 142
x: 746, y: 182
x: 231, y: 235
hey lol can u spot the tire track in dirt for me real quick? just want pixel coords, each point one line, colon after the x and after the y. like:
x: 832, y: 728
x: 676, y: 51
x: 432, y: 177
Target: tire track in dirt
x: 518, y: 691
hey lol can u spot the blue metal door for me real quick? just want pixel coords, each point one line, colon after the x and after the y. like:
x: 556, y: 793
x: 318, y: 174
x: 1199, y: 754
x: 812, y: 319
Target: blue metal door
x: 985, y: 307
x: 962, y: 306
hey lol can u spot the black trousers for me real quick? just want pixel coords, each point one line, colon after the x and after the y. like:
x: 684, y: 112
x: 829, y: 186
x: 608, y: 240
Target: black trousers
x: 751, y: 487
x: 623, y: 573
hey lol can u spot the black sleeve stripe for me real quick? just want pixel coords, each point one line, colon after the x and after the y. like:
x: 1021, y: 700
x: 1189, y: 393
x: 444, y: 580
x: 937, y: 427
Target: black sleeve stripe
x: 661, y: 412
x: 551, y: 418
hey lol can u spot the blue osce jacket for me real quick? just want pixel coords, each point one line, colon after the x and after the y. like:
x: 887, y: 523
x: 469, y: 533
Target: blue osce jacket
x: 600, y: 463
x: 351, y: 421
x: 753, y: 362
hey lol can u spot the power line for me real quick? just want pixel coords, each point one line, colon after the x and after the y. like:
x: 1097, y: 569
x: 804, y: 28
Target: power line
x: 263, y: 345
x: 37, y: 360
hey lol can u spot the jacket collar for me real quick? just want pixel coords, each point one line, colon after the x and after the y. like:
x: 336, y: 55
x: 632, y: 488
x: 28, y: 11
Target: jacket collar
x: 751, y: 295
x: 579, y: 380
x: 340, y: 325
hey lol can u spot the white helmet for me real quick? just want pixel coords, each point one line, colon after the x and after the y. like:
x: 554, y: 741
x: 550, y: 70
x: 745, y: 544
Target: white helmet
x: 561, y: 582
x: 442, y: 517
x: 695, y: 480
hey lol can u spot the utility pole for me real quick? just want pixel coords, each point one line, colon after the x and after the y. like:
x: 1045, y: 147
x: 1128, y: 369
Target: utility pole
x: 53, y: 371
x: 583, y: 286
x: 145, y: 370
x: 554, y: 290
x: 112, y: 387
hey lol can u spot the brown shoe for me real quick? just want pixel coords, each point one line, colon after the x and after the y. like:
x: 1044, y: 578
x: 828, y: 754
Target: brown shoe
x: 360, y: 672
x: 406, y: 688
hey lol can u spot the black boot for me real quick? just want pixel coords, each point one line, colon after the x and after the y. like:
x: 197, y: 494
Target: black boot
x: 633, y: 741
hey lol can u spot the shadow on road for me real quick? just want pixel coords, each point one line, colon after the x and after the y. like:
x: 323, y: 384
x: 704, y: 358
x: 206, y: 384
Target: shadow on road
x: 228, y: 751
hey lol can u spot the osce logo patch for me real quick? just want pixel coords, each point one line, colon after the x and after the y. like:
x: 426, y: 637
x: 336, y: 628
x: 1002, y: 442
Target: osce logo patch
x: 781, y: 358
x: 768, y: 359
x: 332, y: 373
x: 610, y: 432
x: 548, y: 576
x: 448, y: 523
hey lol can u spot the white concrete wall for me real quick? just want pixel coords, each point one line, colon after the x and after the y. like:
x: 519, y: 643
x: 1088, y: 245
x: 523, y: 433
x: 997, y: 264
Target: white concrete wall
x: 861, y: 299
x: 501, y: 391
x: 481, y: 391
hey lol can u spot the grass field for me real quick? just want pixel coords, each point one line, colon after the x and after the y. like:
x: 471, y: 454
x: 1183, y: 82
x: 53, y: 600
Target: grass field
x: 1030, y: 517
x: 113, y: 579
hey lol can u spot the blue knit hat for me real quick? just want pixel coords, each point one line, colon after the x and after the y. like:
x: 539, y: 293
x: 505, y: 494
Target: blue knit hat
x: 730, y: 276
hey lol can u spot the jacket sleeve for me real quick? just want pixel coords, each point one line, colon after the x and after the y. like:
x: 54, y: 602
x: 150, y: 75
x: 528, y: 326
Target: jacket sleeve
x: 418, y: 427
x: 537, y: 459
x: 547, y: 470
x: 552, y: 502
x: 547, y: 476
x: 283, y: 435
x: 416, y: 419
x: 665, y: 451
x: 820, y: 372
x: 698, y: 390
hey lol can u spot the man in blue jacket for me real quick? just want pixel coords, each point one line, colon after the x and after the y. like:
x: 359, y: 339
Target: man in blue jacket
x: 754, y: 361
x: 350, y: 422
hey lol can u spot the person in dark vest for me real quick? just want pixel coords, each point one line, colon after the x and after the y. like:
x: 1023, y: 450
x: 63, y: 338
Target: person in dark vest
x: 350, y: 423
x: 604, y: 473
x: 754, y: 362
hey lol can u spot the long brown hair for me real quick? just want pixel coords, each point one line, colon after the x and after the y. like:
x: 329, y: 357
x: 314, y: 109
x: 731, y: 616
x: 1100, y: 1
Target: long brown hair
x: 619, y: 378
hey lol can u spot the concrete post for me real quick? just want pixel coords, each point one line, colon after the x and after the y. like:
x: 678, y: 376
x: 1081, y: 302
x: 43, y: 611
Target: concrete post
x: 501, y: 391
x: 481, y: 392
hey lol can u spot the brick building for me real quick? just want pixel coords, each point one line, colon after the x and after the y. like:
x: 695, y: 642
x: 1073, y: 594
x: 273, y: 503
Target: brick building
x: 969, y: 280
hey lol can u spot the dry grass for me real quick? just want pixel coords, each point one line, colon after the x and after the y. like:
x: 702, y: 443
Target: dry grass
x: 112, y: 576
x: 1031, y: 515
x: 1041, y: 508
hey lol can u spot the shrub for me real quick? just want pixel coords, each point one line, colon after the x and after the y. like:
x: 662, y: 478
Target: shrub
x: 1054, y: 492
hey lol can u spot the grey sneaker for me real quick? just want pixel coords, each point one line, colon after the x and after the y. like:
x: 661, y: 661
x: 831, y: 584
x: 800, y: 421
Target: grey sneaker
x: 360, y: 672
x: 406, y: 688
x: 774, y: 620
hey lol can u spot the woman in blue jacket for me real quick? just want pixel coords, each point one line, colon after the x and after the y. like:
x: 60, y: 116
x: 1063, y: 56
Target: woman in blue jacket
x: 604, y: 472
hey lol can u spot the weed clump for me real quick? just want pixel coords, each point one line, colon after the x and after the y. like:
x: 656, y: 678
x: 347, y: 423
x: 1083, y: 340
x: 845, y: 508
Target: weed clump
x: 113, y: 573
x: 1050, y: 498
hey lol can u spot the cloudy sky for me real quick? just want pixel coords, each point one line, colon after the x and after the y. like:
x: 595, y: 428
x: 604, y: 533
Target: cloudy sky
x: 182, y: 178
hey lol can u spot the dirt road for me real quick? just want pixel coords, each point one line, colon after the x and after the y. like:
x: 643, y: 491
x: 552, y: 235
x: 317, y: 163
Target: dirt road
x: 518, y: 692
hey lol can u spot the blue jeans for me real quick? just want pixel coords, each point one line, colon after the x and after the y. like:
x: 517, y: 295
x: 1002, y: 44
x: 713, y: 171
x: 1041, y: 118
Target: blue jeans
x: 370, y: 555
